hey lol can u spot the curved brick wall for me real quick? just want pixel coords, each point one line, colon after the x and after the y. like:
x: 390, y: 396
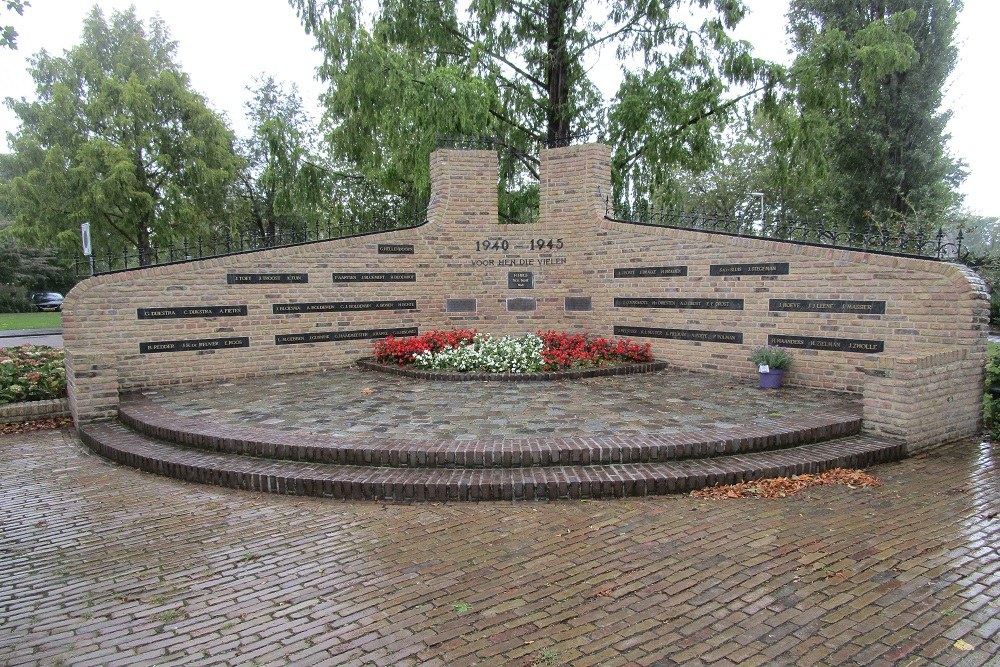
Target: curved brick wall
x: 908, y: 334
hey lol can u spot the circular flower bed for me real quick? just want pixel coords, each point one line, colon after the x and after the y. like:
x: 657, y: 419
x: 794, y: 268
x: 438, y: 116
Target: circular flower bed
x: 468, y: 351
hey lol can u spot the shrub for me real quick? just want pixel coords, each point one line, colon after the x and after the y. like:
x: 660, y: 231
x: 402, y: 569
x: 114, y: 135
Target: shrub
x: 31, y: 373
x: 775, y: 357
x: 991, y: 405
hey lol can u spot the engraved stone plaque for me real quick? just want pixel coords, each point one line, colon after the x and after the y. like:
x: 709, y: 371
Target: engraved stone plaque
x: 333, y: 336
x: 771, y: 269
x: 651, y: 272
x: 827, y: 306
x: 266, y: 278
x: 681, y: 334
x: 193, y: 345
x: 831, y: 344
x: 342, y: 306
x: 175, y: 312
x: 395, y: 248
x: 520, y: 304
x: 375, y: 277
x: 577, y: 304
x: 520, y: 280
x: 671, y: 302
x: 460, y: 305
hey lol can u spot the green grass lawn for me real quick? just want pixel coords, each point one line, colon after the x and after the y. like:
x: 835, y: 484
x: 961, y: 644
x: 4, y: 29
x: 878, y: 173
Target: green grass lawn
x: 10, y: 321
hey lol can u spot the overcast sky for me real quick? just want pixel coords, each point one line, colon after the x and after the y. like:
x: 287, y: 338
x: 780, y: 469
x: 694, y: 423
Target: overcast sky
x: 223, y: 44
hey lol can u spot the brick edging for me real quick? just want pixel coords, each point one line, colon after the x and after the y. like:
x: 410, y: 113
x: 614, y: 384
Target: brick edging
x: 140, y: 414
x: 31, y: 410
x: 548, y: 376
x: 408, y: 485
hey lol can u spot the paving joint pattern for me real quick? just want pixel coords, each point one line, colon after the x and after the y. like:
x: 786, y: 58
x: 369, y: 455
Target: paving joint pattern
x: 191, y: 435
x: 107, y: 565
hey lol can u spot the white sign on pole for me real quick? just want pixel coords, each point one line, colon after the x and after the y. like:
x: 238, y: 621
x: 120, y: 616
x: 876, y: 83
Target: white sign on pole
x: 85, y: 233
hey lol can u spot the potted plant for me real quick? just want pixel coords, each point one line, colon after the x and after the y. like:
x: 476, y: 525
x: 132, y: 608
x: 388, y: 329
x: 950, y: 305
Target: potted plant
x: 772, y: 362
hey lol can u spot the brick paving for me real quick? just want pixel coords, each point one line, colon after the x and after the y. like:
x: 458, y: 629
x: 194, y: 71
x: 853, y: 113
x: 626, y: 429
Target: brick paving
x: 104, y: 565
x: 358, y: 403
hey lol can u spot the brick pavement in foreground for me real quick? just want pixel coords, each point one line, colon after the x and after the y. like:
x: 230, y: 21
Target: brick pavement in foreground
x: 104, y: 565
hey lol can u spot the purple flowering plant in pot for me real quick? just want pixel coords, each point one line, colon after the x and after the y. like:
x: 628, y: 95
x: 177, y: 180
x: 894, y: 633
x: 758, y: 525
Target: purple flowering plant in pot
x: 771, y: 362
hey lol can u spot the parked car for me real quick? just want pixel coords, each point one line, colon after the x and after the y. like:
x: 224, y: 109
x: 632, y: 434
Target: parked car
x: 47, y: 300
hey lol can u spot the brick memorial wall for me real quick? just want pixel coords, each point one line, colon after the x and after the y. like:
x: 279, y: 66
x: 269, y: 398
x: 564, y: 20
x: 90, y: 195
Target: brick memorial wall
x: 909, y: 335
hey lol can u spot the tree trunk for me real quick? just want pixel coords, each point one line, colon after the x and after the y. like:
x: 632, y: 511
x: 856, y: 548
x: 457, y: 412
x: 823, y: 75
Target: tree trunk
x: 557, y: 75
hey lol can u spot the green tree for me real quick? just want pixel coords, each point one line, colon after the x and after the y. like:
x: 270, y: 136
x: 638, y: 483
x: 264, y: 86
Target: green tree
x: 518, y: 70
x: 8, y: 36
x: 280, y: 185
x: 116, y: 137
x: 868, y: 82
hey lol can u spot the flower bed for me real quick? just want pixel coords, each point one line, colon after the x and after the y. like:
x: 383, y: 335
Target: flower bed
x: 31, y: 373
x: 466, y: 350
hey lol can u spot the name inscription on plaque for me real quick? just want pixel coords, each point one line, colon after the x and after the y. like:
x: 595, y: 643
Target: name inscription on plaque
x: 332, y: 336
x: 196, y: 345
x: 681, y: 334
x: 395, y: 248
x: 342, y: 306
x: 651, y: 272
x: 374, y: 277
x: 832, y: 344
x: 189, y: 311
x: 772, y: 269
x: 828, y: 306
x: 520, y: 280
x: 658, y: 302
x: 266, y: 278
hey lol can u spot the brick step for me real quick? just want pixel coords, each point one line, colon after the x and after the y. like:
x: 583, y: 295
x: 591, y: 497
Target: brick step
x: 149, y: 418
x: 118, y: 443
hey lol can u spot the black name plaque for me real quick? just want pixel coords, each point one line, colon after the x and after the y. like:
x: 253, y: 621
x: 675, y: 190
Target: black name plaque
x: 670, y: 302
x: 195, y: 345
x: 577, y: 304
x: 520, y: 304
x: 681, y: 334
x: 771, y: 269
x: 520, y: 280
x: 333, y: 336
x: 651, y: 272
x: 460, y: 305
x: 832, y: 344
x: 266, y: 278
x: 342, y: 306
x: 174, y: 312
x: 375, y: 277
x: 827, y: 306
x: 395, y: 248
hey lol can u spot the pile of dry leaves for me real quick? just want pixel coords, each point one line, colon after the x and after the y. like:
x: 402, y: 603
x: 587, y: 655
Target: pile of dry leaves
x: 39, y: 425
x: 781, y: 487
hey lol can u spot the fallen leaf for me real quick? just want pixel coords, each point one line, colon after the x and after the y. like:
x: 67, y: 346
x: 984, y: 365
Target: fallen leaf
x: 963, y: 645
x: 37, y: 425
x: 367, y: 391
x: 782, y: 487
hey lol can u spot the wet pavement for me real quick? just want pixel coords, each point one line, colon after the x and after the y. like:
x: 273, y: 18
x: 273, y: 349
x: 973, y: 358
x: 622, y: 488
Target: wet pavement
x: 368, y: 403
x: 14, y: 338
x: 104, y: 565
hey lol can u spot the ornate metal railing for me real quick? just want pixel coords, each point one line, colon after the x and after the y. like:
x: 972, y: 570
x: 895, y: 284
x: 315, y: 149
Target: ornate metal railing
x: 222, y: 244
x: 902, y: 238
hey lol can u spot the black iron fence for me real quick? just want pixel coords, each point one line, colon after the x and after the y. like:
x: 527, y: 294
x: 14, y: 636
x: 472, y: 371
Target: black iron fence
x: 901, y: 238
x: 221, y: 244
